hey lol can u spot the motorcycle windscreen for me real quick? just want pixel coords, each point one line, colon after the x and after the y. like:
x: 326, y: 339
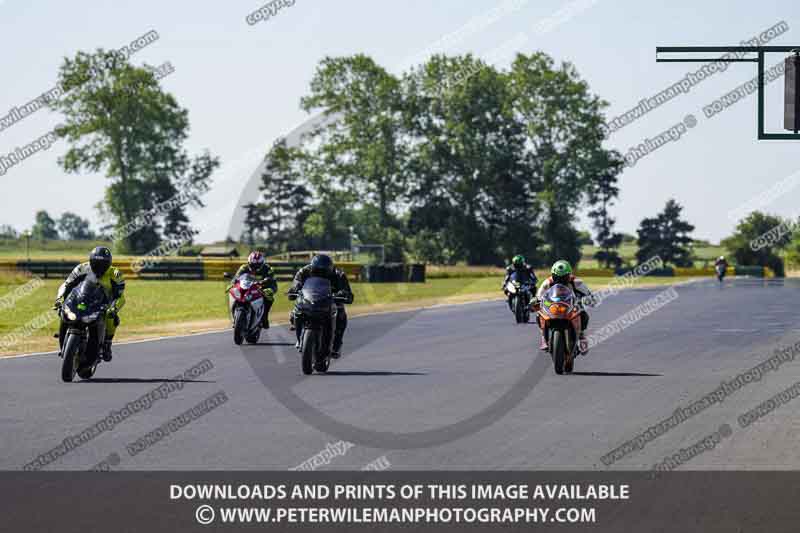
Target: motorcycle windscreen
x: 87, y: 297
x: 316, y: 289
x: 559, y: 293
x: 246, y: 281
x: 521, y: 278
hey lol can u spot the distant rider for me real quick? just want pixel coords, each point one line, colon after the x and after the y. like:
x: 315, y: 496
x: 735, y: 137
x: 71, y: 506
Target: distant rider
x: 561, y: 273
x: 524, y: 272
x: 322, y: 266
x: 98, y: 269
x: 721, y: 261
x: 257, y: 266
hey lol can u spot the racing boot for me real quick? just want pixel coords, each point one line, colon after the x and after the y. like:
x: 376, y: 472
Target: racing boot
x: 336, y: 352
x: 106, y: 355
x: 543, y: 343
x: 268, y: 301
x: 583, y: 344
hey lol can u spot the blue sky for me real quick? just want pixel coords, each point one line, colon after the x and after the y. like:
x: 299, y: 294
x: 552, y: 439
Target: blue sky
x: 241, y: 84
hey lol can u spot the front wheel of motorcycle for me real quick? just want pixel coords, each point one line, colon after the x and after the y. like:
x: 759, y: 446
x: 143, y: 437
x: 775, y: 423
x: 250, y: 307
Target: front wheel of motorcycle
x: 71, y: 351
x: 239, y: 325
x: 559, y: 347
x: 519, y: 310
x: 308, y: 346
x: 253, y: 339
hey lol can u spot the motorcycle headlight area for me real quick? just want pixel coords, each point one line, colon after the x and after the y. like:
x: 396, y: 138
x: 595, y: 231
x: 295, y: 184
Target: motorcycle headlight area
x: 70, y: 314
x: 236, y: 293
x: 91, y: 318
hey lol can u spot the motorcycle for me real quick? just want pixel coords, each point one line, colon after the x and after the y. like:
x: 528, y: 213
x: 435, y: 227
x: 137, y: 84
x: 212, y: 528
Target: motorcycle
x: 720, y: 272
x: 521, y: 291
x: 246, y: 307
x: 559, y: 313
x: 315, y: 318
x: 84, y: 313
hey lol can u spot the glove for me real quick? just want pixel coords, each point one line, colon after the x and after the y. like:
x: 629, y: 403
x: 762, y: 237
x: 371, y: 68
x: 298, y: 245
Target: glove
x: 59, y: 303
x: 111, y: 312
x: 269, y: 292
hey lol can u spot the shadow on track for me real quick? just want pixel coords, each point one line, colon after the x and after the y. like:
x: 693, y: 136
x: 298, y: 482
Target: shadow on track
x: 143, y: 380
x: 370, y: 373
x: 614, y: 374
x: 269, y: 344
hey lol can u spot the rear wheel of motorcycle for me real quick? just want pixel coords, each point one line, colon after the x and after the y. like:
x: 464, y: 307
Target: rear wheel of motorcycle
x: 308, y: 345
x: 71, y: 353
x: 559, y: 347
x: 239, y: 326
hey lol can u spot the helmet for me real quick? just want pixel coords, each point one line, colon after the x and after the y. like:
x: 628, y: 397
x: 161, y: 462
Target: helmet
x: 561, y: 270
x: 255, y: 259
x: 518, y: 261
x: 722, y: 258
x: 322, y: 265
x: 100, y: 260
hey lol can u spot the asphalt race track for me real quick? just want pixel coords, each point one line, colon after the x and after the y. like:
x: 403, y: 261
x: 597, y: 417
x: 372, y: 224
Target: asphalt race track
x: 443, y: 384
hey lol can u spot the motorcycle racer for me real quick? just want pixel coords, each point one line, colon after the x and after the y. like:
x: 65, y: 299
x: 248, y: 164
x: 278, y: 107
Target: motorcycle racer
x: 110, y: 279
x: 561, y: 273
x: 322, y: 266
x: 257, y: 266
x: 523, y: 270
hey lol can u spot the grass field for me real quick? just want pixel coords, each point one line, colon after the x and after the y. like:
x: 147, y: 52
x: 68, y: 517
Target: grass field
x: 703, y: 255
x: 159, y: 308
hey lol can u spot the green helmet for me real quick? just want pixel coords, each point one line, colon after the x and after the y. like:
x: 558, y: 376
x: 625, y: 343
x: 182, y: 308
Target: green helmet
x: 518, y: 261
x: 561, y: 269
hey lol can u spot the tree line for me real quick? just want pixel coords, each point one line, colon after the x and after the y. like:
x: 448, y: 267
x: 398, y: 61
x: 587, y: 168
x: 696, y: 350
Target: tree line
x: 452, y: 161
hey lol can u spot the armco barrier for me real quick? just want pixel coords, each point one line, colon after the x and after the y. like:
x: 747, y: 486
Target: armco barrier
x: 393, y: 273
x: 214, y: 269
x: 166, y: 269
x: 709, y: 271
x: 592, y: 272
x: 755, y: 271
x: 661, y: 272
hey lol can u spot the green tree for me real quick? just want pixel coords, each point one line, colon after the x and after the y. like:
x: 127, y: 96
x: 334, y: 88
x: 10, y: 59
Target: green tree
x: 666, y: 236
x: 602, y: 193
x: 285, y: 199
x: 117, y: 119
x: 361, y: 147
x: 747, y: 247
x: 469, y: 178
x: 564, y: 135
x: 8, y: 232
x: 255, y: 224
x: 44, y: 227
x: 73, y: 227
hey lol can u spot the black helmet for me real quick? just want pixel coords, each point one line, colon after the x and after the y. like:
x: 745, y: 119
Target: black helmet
x: 322, y: 265
x: 100, y: 260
